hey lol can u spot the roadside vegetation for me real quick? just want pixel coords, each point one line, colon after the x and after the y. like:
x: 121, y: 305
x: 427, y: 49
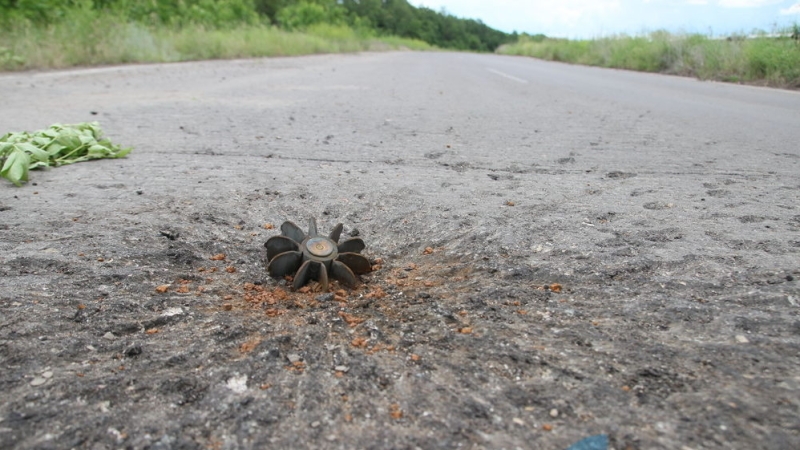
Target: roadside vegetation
x: 36, y: 34
x: 772, y: 60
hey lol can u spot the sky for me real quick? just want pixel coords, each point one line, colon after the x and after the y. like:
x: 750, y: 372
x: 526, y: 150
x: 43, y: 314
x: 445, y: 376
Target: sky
x: 596, y: 18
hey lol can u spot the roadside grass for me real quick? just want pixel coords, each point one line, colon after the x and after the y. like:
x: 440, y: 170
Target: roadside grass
x: 90, y: 38
x: 197, y: 43
x: 768, y: 60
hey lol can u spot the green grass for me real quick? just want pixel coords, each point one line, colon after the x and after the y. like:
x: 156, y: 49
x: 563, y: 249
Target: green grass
x: 773, y: 61
x: 90, y: 38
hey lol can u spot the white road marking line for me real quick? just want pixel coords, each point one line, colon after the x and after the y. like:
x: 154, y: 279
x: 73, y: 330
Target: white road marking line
x: 505, y: 75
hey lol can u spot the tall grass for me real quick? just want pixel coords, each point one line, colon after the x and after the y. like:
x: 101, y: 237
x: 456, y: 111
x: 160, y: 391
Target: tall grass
x: 86, y: 37
x: 773, y: 61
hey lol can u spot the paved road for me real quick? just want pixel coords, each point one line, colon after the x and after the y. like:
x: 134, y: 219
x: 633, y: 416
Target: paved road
x: 531, y: 110
x: 666, y: 209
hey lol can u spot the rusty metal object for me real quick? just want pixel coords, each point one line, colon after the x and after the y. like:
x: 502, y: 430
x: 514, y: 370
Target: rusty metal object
x: 311, y: 256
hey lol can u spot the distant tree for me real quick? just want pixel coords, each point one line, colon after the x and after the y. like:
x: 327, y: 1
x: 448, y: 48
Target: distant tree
x: 270, y: 8
x: 35, y: 10
x: 306, y: 13
x: 440, y: 28
x: 389, y: 17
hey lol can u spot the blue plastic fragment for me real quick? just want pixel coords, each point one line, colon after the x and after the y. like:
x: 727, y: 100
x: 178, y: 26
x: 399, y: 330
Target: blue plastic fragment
x: 598, y: 442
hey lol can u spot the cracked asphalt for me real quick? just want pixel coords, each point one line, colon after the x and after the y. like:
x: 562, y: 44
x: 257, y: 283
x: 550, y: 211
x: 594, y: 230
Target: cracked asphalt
x: 559, y: 252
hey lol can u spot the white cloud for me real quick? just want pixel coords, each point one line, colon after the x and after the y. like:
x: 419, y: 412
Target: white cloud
x: 678, y: 2
x: 747, y: 3
x: 564, y: 10
x: 794, y: 9
x: 564, y: 17
x: 573, y: 11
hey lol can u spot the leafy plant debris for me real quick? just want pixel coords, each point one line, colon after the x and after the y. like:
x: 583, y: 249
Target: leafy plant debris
x: 56, y: 146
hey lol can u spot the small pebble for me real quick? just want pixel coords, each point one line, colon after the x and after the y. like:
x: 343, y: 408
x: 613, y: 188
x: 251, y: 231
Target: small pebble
x: 315, y: 424
x: 553, y: 412
x: 293, y: 357
x: 38, y: 381
x: 742, y: 339
x: 341, y: 369
x: 47, y: 374
x: 518, y: 421
x: 325, y: 297
x: 237, y: 384
x: 110, y: 336
x: 169, y: 312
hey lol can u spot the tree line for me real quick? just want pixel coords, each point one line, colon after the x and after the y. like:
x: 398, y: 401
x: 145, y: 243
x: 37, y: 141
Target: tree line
x: 385, y: 17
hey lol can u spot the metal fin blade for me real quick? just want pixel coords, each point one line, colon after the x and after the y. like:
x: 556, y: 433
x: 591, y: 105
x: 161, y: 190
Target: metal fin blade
x: 322, y: 277
x: 285, y: 264
x: 303, y: 274
x: 280, y: 244
x: 341, y: 272
x: 337, y: 231
x: 357, y: 263
x: 352, y: 245
x: 292, y: 231
x: 312, y: 227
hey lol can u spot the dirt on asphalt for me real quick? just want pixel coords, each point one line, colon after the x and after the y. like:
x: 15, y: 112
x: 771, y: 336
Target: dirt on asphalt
x: 641, y: 285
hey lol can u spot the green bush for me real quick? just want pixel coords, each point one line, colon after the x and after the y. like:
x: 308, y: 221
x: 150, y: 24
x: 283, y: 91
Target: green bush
x: 374, y: 17
x: 209, y: 13
x: 91, y: 37
x: 9, y: 60
x: 65, y: 33
x: 774, y: 60
x: 305, y: 14
x: 762, y: 59
x: 37, y: 11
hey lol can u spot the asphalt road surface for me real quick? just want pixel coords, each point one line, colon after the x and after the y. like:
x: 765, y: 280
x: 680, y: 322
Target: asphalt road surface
x: 559, y: 252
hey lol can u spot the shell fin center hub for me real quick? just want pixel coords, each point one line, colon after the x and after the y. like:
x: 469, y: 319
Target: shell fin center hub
x: 320, y: 247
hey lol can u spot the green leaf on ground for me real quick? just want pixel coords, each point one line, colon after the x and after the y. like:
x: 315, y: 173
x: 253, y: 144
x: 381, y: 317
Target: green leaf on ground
x: 56, y: 146
x: 15, y: 167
